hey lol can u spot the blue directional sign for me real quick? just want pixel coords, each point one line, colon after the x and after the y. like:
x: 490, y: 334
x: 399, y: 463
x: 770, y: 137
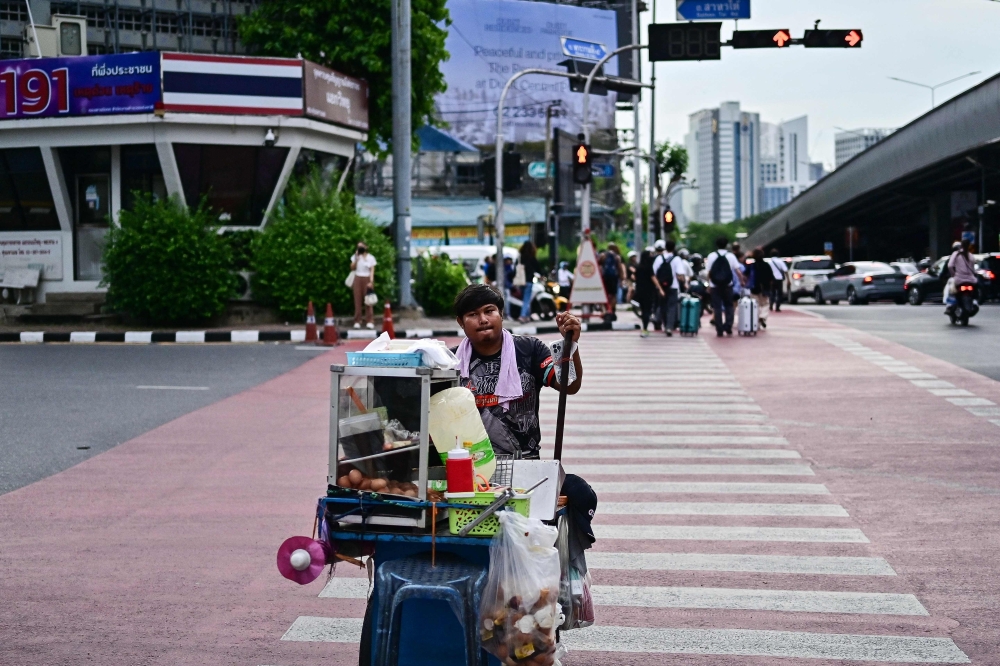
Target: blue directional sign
x: 583, y: 50
x: 602, y: 170
x: 712, y: 10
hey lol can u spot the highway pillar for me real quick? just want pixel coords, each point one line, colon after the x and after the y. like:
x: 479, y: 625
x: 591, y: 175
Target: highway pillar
x: 939, y: 225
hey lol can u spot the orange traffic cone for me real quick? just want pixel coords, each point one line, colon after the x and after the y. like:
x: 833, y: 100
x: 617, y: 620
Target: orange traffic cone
x: 387, y: 326
x: 329, y: 327
x: 311, y: 324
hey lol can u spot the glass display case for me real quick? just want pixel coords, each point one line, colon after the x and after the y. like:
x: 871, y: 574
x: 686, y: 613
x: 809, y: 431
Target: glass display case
x: 379, y: 437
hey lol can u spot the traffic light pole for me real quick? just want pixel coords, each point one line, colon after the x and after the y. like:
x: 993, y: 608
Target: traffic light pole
x: 402, y: 136
x: 498, y: 223
x: 585, y: 199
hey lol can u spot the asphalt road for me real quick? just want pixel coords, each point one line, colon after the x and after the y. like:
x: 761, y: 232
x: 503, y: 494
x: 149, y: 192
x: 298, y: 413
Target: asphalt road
x: 62, y: 404
x: 925, y: 328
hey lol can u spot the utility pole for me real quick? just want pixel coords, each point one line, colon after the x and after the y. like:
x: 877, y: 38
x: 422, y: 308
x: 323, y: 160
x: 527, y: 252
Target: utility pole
x: 654, y: 172
x: 636, y: 73
x: 550, y: 222
x: 402, y: 133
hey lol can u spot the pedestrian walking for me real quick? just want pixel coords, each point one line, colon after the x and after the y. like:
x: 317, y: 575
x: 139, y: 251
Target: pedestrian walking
x: 529, y: 261
x: 363, y: 267
x: 628, y: 285
x: 565, y: 277
x: 723, y: 268
x: 760, y: 280
x: 666, y: 268
x: 645, y: 289
x: 508, y: 284
x: 779, y: 269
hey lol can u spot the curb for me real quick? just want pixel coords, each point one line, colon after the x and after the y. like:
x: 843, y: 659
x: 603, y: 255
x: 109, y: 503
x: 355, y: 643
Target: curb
x: 298, y: 335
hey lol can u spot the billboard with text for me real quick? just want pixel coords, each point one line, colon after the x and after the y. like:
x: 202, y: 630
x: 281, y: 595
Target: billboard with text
x: 489, y: 41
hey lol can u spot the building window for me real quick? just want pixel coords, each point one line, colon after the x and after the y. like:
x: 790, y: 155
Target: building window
x: 25, y: 197
x: 141, y: 174
x: 237, y: 181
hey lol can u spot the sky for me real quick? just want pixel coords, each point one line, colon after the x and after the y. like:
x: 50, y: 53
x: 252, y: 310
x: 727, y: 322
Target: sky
x: 928, y: 41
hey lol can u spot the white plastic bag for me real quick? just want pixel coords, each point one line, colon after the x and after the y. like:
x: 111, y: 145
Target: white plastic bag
x: 519, y: 612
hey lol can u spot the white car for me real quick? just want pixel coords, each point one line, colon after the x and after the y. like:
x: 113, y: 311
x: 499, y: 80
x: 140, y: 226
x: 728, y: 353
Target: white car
x: 804, y: 273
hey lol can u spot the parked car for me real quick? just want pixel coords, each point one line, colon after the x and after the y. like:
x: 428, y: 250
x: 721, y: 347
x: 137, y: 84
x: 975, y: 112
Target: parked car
x: 905, y: 267
x: 804, y: 273
x: 860, y: 282
x: 928, y: 285
x: 988, y: 270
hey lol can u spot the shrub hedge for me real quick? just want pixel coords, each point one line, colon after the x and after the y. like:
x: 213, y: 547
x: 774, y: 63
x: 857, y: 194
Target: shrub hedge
x: 438, y: 282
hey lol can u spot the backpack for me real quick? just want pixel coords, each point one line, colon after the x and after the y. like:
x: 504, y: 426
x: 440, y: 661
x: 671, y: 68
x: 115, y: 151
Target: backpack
x: 610, y: 269
x: 665, y: 273
x: 721, y: 273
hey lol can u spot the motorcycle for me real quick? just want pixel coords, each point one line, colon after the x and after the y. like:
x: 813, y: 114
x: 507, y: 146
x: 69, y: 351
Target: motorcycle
x: 543, y: 303
x: 698, y: 287
x: 961, y: 303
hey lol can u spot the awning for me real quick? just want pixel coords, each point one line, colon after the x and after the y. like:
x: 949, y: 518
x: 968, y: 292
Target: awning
x: 453, y: 212
x: 433, y: 140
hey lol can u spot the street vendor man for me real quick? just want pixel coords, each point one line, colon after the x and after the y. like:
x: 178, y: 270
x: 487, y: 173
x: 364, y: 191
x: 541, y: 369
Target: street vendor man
x: 507, y: 372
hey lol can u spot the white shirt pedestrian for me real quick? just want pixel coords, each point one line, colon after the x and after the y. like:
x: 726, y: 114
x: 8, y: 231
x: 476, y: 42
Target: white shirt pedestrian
x: 666, y: 256
x: 363, y: 264
x: 734, y: 263
x: 778, y: 267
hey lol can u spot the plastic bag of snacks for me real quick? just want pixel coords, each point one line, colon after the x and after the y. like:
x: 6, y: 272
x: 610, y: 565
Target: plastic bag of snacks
x: 574, y: 587
x: 520, y: 612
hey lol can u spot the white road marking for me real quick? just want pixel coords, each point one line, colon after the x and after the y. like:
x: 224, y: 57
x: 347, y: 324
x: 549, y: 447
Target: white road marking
x: 916, y: 375
x: 681, y: 406
x: 773, y: 469
x: 670, y: 440
x: 796, y: 601
x: 32, y: 336
x: 945, y: 392
x: 345, y: 588
x: 720, y: 509
x: 244, y: 336
x: 710, y: 487
x: 569, y: 452
x: 972, y: 402
x: 325, y: 629
x: 932, y: 383
x: 661, y: 399
x: 628, y: 425
x: 983, y: 411
x: 777, y: 564
x: 731, y: 533
x: 578, y: 414
x: 174, y: 388
x: 83, y: 336
x: 139, y: 337
x: 765, y: 643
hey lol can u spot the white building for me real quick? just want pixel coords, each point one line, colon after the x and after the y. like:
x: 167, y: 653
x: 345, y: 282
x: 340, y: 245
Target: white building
x: 851, y: 142
x: 785, y: 169
x: 724, y: 149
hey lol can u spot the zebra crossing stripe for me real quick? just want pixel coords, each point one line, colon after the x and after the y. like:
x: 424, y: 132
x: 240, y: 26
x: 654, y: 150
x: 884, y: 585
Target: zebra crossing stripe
x: 669, y: 440
x: 766, y: 643
x: 700, y: 428
x: 796, y: 601
x: 589, y: 454
x: 734, y: 533
x: 774, y: 469
x: 721, y: 509
x: 776, y: 564
x: 710, y: 487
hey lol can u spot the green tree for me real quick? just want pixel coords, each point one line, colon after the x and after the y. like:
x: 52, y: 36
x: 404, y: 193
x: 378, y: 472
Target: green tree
x: 166, y: 264
x: 304, y: 253
x: 671, y: 164
x: 438, y: 283
x: 355, y: 38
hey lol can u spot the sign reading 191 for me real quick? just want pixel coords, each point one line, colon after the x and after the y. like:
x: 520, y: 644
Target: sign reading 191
x: 33, y: 90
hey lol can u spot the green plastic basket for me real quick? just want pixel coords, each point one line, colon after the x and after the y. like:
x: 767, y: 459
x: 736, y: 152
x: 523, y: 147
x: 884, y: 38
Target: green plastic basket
x: 459, y: 518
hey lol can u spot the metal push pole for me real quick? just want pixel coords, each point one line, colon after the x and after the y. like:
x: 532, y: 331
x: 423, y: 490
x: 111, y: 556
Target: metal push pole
x: 585, y: 201
x: 402, y: 133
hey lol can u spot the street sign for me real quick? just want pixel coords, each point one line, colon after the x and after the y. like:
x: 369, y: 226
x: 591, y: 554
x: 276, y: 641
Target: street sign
x: 778, y: 38
x: 700, y: 10
x: 536, y: 170
x: 602, y: 170
x: 584, y: 50
x: 684, y: 41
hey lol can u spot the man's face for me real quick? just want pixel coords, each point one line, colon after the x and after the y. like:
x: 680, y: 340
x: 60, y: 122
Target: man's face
x: 482, y: 326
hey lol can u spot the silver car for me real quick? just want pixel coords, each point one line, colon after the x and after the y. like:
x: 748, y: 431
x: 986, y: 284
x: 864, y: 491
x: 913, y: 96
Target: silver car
x: 859, y: 282
x: 804, y: 273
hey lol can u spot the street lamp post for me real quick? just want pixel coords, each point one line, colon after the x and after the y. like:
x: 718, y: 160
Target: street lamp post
x: 585, y: 200
x: 401, y: 137
x: 936, y: 86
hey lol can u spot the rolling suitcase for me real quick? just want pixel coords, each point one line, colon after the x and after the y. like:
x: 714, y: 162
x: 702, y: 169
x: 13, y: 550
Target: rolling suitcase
x: 690, y: 315
x: 747, y: 316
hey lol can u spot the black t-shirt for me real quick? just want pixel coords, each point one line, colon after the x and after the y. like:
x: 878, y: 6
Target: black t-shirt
x: 517, y: 430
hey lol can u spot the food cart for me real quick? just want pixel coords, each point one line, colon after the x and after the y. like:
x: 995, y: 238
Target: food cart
x: 386, y: 502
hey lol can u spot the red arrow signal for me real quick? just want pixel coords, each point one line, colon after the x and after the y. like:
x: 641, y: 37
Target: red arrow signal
x: 853, y: 38
x: 781, y: 38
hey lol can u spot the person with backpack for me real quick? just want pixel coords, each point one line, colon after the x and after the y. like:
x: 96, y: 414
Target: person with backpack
x: 722, y: 266
x: 664, y: 268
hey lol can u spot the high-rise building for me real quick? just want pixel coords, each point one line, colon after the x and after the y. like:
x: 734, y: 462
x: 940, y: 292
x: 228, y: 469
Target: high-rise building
x: 724, y: 149
x: 849, y: 143
x: 785, y: 167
